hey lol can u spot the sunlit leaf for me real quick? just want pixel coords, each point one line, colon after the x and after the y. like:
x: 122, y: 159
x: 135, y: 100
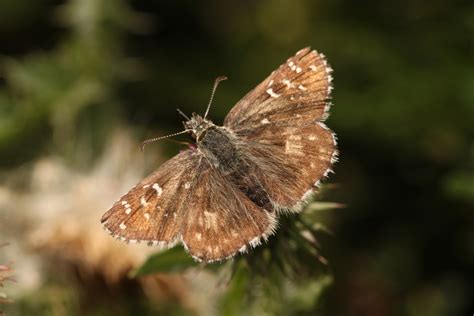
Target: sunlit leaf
x: 171, y: 260
x: 323, y: 206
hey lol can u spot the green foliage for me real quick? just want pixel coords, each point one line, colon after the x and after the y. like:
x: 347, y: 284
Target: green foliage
x: 6, y: 275
x: 460, y: 184
x: 286, y: 275
x: 50, y: 94
x: 172, y: 260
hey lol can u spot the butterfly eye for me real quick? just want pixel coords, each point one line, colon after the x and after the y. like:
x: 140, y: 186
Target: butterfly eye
x: 200, y: 130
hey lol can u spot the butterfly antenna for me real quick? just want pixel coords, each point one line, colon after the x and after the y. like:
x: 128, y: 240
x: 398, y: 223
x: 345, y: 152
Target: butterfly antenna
x: 216, y: 83
x: 182, y: 114
x: 152, y: 140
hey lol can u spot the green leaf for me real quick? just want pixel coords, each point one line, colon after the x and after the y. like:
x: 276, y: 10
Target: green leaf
x: 232, y: 302
x: 323, y: 206
x: 171, y: 260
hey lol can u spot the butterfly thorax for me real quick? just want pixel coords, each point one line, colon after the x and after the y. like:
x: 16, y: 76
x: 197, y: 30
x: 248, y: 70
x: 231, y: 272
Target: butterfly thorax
x: 216, y: 143
x: 222, y: 149
x: 198, y: 126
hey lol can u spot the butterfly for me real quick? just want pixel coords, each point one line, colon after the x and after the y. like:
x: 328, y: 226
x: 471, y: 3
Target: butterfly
x: 223, y: 196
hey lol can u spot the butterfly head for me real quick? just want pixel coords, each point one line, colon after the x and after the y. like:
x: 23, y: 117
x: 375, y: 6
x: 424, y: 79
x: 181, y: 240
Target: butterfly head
x: 197, y: 125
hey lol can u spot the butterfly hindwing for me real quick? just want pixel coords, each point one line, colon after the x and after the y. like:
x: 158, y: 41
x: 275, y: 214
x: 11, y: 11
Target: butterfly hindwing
x: 222, y: 220
x: 290, y: 160
x: 187, y: 200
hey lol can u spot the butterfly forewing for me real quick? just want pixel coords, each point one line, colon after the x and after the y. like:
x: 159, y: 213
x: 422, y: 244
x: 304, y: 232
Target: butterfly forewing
x: 280, y: 124
x: 298, y: 91
x: 152, y: 210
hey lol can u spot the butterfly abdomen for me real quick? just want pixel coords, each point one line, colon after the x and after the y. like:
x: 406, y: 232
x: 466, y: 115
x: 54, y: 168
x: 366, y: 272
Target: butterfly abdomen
x: 220, y: 148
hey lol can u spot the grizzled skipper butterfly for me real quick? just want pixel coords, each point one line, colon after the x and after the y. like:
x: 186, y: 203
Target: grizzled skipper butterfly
x: 224, y: 194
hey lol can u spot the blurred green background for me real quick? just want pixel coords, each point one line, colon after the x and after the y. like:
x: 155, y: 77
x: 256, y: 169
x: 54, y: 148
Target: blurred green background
x: 82, y: 82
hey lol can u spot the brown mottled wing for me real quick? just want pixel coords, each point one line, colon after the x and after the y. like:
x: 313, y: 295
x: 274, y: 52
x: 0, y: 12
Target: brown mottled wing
x: 280, y: 128
x: 187, y: 200
x: 297, y: 92
x: 289, y: 160
x: 152, y: 210
x: 222, y: 220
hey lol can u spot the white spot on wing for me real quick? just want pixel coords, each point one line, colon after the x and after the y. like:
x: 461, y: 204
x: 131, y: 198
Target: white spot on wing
x: 301, y: 87
x: 298, y: 70
x: 265, y: 121
x: 313, y: 67
x: 187, y: 185
x: 143, y: 201
x: 327, y: 107
x: 128, y: 210
x: 293, y: 147
x: 147, y: 216
x: 122, y: 225
x: 255, y: 242
x: 272, y: 94
x: 323, y: 125
x: 334, y: 139
x: 327, y: 172
x: 210, y: 220
x: 157, y: 188
x: 287, y: 83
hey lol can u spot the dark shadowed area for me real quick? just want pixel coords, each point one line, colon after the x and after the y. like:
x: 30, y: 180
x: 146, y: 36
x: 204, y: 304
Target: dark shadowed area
x: 83, y: 82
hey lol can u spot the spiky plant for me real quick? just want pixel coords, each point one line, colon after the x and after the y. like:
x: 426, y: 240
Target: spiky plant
x: 6, y: 274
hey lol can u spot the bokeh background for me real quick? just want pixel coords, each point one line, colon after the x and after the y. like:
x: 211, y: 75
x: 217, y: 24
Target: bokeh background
x: 82, y: 82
